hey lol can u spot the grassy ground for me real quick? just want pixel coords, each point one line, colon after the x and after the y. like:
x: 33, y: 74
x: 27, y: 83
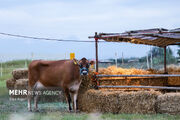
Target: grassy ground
x: 17, y: 110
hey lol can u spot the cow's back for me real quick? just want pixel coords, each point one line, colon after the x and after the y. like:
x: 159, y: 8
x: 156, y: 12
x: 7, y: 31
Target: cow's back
x: 53, y: 73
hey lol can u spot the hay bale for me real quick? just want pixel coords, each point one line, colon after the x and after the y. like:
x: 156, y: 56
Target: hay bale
x: 169, y: 103
x: 85, y: 85
x: 118, y: 101
x: 21, y: 84
x: 10, y: 83
x: 20, y: 74
x: 138, y: 102
x: 98, y: 101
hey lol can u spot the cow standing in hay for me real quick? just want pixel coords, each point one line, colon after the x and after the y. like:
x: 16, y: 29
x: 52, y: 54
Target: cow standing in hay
x: 63, y: 73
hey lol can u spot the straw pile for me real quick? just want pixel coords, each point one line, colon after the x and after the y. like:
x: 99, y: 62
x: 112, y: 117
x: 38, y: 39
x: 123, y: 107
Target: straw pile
x: 169, y: 103
x: 160, y: 81
x: 20, y: 74
x: 172, y: 69
x: 112, y: 70
x: 134, y: 81
x: 118, y: 101
x: 174, y: 81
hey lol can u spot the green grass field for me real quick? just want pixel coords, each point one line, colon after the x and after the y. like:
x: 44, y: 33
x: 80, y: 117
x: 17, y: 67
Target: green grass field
x: 17, y: 110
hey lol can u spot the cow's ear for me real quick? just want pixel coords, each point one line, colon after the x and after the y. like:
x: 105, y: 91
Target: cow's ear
x: 92, y: 62
x: 80, y: 61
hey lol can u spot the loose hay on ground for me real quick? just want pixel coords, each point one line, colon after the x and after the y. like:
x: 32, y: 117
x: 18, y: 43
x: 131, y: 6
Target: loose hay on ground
x: 168, y: 103
x: 20, y: 74
x: 119, y: 101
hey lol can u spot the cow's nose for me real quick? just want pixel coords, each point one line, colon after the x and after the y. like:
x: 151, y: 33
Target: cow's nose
x: 84, y: 72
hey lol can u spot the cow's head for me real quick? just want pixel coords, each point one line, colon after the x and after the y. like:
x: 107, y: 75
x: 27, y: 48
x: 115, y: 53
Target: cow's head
x: 84, y: 66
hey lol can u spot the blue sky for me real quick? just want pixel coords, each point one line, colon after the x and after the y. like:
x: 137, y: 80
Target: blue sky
x: 77, y: 20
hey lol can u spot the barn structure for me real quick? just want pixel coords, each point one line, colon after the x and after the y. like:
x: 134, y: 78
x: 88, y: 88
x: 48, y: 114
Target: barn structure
x: 159, y: 37
x: 156, y: 37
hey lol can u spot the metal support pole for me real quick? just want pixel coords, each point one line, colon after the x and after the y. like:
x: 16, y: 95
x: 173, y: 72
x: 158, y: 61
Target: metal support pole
x: 147, y: 61
x: 96, y: 46
x: 122, y: 58
x: 151, y: 59
x: 165, y: 69
x: 116, y: 59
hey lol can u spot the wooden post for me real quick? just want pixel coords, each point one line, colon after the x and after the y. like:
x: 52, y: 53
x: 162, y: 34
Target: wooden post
x: 165, y: 69
x: 96, y: 46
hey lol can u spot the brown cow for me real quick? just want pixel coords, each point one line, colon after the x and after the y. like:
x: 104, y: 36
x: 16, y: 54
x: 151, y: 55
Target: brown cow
x: 62, y: 73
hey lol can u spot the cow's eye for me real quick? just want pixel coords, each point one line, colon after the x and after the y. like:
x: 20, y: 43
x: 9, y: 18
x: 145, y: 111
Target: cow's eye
x: 87, y: 66
x: 80, y: 65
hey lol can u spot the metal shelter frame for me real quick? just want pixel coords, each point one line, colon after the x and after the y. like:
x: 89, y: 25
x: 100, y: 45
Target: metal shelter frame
x: 156, y: 37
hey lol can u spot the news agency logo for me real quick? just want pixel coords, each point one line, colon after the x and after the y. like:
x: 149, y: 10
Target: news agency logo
x: 26, y: 92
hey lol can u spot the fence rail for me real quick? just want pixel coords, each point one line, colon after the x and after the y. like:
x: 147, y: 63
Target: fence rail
x: 154, y: 87
x: 153, y: 75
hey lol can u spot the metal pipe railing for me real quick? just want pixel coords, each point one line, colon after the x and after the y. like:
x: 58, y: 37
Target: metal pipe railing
x: 154, y: 87
x: 153, y: 75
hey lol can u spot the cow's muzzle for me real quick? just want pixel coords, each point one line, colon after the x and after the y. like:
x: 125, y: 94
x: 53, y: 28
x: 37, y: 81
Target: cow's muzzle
x: 83, y: 71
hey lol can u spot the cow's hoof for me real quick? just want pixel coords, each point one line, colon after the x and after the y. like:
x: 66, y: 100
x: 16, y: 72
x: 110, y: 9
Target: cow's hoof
x: 71, y: 111
x: 36, y: 110
x: 29, y: 110
x: 77, y: 111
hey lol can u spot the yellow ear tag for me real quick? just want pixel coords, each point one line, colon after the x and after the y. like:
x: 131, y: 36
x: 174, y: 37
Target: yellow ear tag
x: 75, y: 62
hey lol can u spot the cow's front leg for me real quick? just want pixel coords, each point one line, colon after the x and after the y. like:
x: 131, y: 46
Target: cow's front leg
x: 29, y: 103
x: 74, y: 97
x: 77, y: 108
x: 29, y: 97
x: 36, y: 98
x: 68, y: 99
